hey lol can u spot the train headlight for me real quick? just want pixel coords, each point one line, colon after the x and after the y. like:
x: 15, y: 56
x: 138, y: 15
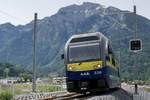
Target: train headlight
x: 70, y: 68
x: 98, y: 65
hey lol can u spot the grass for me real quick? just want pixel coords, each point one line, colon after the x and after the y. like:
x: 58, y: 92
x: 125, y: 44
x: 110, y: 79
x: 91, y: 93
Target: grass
x: 6, y: 95
x: 147, y: 89
x: 15, y: 89
x: 18, y: 89
x: 47, y: 88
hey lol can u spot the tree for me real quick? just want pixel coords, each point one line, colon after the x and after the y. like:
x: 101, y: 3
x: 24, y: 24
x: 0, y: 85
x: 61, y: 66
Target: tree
x: 26, y: 76
x: 6, y: 72
x: 11, y: 70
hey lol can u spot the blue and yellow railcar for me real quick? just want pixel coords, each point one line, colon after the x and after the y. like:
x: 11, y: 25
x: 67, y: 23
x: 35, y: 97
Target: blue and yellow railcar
x: 90, y: 63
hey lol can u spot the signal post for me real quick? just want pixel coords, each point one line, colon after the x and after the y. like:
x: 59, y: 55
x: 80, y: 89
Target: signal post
x: 135, y: 45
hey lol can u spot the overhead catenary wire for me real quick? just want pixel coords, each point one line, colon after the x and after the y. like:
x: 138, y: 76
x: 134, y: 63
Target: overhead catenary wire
x: 12, y: 16
x: 116, y: 22
x: 133, y: 2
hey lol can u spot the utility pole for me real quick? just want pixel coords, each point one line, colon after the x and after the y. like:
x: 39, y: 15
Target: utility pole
x: 135, y: 52
x: 135, y: 17
x: 34, y: 55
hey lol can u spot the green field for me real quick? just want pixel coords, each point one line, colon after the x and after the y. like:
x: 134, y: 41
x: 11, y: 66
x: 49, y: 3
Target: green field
x: 147, y: 89
x: 17, y: 89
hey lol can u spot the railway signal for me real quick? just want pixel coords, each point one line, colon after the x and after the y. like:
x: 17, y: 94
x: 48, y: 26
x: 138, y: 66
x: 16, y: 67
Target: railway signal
x: 135, y: 45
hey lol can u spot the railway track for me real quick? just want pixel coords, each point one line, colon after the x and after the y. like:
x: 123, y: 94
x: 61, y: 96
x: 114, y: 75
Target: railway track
x: 40, y: 96
x: 61, y: 97
x: 124, y: 93
x: 67, y: 97
x: 113, y: 94
x: 70, y: 96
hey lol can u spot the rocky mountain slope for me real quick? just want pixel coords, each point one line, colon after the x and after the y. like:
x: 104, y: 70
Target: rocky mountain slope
x: 53, y: 32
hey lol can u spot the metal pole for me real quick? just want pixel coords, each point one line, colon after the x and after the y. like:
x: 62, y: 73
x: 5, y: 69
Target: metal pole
x: 119, y: 59
x: 135, y: 35
x: 135, y: 53
x: 34, y: 54
x: 136, y: 73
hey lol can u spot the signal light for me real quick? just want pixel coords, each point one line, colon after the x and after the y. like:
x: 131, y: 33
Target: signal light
x: 135, y: 45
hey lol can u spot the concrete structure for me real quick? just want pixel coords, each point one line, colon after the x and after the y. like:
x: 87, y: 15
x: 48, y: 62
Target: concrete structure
x: 59, y: 80
x: 9, y: 81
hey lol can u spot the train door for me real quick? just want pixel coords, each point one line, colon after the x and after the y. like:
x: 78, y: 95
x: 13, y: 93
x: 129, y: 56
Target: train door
x: 111, y: 64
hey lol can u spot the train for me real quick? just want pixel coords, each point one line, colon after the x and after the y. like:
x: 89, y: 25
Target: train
x: 90, y: 63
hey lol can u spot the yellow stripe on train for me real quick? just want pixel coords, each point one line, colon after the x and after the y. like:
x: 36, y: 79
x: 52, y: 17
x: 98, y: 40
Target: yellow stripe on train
x: 84, y: 66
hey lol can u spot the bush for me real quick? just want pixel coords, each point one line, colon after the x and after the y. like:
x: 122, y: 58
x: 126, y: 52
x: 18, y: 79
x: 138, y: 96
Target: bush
x: 6, y: 96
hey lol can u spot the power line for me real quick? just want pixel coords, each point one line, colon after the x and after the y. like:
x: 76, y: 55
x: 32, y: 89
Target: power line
x: 133, y: 2
x: 11, y: 16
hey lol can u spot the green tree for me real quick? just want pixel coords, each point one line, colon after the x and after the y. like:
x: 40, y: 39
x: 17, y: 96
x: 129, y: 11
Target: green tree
x: 6, y: 96
x: 11, y: 70
x: 26, y: 76
x: 6, y: 72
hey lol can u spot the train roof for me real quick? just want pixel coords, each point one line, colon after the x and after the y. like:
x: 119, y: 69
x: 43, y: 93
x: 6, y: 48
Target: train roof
x: 86, y: 37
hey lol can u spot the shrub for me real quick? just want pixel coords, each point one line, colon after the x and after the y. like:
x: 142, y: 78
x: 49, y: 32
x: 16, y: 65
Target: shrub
x: 6, y: 96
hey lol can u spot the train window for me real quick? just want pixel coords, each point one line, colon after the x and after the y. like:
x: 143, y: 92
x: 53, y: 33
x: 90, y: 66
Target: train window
x: 109, y: 50
x: 113, y: 62
x: 81, y: 39
x: 118, y: 72
x: 107, y: 58
x: 84, y: 52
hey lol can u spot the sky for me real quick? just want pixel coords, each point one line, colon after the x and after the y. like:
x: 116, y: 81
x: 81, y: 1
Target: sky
x: 22, y: 11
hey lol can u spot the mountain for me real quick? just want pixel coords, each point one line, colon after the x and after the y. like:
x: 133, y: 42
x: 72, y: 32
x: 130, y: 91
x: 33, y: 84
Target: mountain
x: 53, y: 32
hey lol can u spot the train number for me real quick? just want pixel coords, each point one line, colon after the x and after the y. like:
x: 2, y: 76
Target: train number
x: 97, y: 72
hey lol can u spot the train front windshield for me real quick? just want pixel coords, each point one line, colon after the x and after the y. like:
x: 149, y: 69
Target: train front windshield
x: 84, y: 52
